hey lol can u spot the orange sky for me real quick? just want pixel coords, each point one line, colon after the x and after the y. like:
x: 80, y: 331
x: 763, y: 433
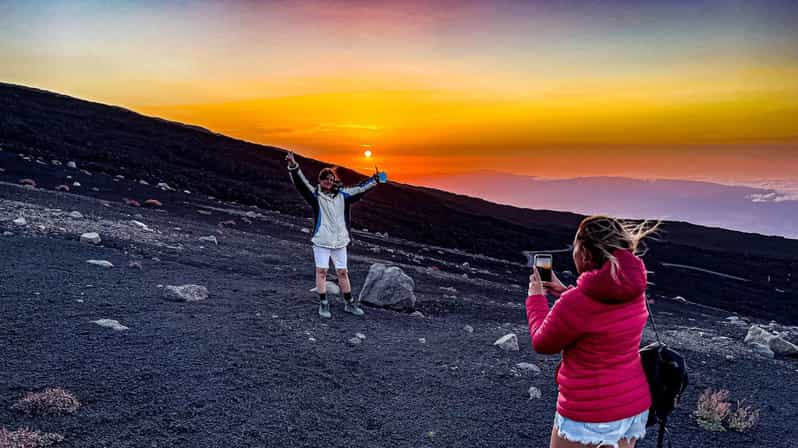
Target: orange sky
x: 648, y: 88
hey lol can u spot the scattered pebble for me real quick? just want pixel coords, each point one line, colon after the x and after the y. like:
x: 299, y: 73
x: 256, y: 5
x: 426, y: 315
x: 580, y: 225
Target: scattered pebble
x: 101, y: 263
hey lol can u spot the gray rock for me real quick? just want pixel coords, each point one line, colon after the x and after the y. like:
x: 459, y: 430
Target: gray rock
x: 534, y: 393
x: 355, y: 340
x: 422, y: 340
x: 417, y: 314
x: 20, y: 221
x: 91, y: 237
x: 762, y: 350
x: 71, y: 165
x: 56, y: 162
x: 780, y: 346
x: 680, y: 299
x: 7, y: 233
x: 388, y: 287
x: 360, y: 335
x: 508, y: 342
x: 143, y: 182
x: 209, y: 239
x: 468, y: 328
x: 76, y: 184
x: 141, y: 225
x: 528, y: 367
x: 76, y: 214
x: 110, y: 323
x: 186, y: 293
x: 332, y: 289
x: 758, y: 335
x: 101, y: 263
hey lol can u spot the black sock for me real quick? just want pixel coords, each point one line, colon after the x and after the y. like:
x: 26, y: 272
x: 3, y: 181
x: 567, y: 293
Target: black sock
x: 323, y: 296
x: 348, y: 297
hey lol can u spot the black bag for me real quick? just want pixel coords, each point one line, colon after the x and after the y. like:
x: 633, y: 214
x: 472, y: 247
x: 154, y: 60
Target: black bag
x: 666, y: 372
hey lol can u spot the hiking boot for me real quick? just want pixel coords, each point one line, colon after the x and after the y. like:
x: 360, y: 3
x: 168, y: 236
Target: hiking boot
x: 324, y: 309
x: 353, y: 308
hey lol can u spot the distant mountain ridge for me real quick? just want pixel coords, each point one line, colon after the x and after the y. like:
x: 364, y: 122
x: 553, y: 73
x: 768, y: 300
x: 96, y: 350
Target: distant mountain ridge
x: 734, y: 207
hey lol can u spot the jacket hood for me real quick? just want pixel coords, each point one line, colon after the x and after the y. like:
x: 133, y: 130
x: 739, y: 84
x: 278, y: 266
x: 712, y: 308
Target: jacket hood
x: 629, y: 283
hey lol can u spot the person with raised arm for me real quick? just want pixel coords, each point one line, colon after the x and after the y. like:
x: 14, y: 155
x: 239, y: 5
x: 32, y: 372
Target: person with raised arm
x: 330, y: 236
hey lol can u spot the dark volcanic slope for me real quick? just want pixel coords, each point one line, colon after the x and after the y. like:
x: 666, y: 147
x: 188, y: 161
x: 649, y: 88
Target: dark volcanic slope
x: 253, y: 365
x: 112, y: 140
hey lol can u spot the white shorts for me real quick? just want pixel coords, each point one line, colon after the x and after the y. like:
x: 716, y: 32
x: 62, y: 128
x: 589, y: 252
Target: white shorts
x: 322, y: 256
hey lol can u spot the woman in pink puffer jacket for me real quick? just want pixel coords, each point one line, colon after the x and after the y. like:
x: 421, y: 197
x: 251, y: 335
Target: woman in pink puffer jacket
x: 597, y: 326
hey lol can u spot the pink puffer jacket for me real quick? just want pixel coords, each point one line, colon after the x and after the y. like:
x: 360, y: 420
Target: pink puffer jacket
x: 597, y: 326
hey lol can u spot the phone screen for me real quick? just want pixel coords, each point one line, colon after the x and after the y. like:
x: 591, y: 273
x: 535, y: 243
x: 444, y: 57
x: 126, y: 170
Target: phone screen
x: 544, y: 263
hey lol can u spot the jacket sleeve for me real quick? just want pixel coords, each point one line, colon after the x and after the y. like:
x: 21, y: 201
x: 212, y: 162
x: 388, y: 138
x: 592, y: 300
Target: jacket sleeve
x: 553, y: 329
x: 360, y: 189
x: 301, y: 183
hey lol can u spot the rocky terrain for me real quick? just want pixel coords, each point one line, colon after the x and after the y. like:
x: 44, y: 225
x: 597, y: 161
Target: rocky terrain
x: 252, y: 365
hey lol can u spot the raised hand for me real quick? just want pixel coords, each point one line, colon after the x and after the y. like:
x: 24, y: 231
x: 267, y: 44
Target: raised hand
x: 289, y: 157
x: 535, y: 285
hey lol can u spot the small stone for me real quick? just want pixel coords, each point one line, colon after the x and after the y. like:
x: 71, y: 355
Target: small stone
x: 312, y: 339
x: 528, y: 367
x: 534, y: 393
x: 360, y: 335
x: 143, y: 182
x: 7, y: 233
x: 141, y: 225
x: 56, y: 162
x: 680, y: 299
x: 187, y: 293
x: 422, y: 340
x: 91, y: 238
x: 79, y: 300
x: 75, y: 214
x: 20, y: 221
x: 508, y: 342
x: 468, y: 328
x: 101, y: 263
x: 71, y: 165
x: 729, y: 358
x: 76, y: 184
x: 355, y: 341
x: 110, y: 323
x: 209, y: 239
x: 305, y: 230
x: 417, y: 314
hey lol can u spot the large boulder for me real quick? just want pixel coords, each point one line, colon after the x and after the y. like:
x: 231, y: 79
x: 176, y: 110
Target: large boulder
x: 388, y: 287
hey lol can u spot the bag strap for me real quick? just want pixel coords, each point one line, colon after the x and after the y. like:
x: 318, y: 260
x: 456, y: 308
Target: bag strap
x: 663, y: 431
x: 651, y: 319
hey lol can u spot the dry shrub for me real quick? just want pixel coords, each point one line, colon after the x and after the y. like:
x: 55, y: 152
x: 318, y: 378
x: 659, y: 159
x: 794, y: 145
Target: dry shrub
x: 712, y: 409
x: 25, y: 438
x: 54, y: 401
x: 744, y: 417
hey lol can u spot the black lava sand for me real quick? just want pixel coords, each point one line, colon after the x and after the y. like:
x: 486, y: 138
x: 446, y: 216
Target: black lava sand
x: 253, y: 365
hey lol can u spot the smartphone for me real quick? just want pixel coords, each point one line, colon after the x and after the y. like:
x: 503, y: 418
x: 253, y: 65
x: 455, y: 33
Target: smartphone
x: 543, y: 262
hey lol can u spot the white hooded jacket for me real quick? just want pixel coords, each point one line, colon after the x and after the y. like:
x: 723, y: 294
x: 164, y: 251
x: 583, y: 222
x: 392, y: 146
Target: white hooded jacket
x: 330, y: 210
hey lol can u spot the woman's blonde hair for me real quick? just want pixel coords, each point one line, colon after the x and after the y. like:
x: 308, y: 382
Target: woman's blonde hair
x: 602, y: 236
